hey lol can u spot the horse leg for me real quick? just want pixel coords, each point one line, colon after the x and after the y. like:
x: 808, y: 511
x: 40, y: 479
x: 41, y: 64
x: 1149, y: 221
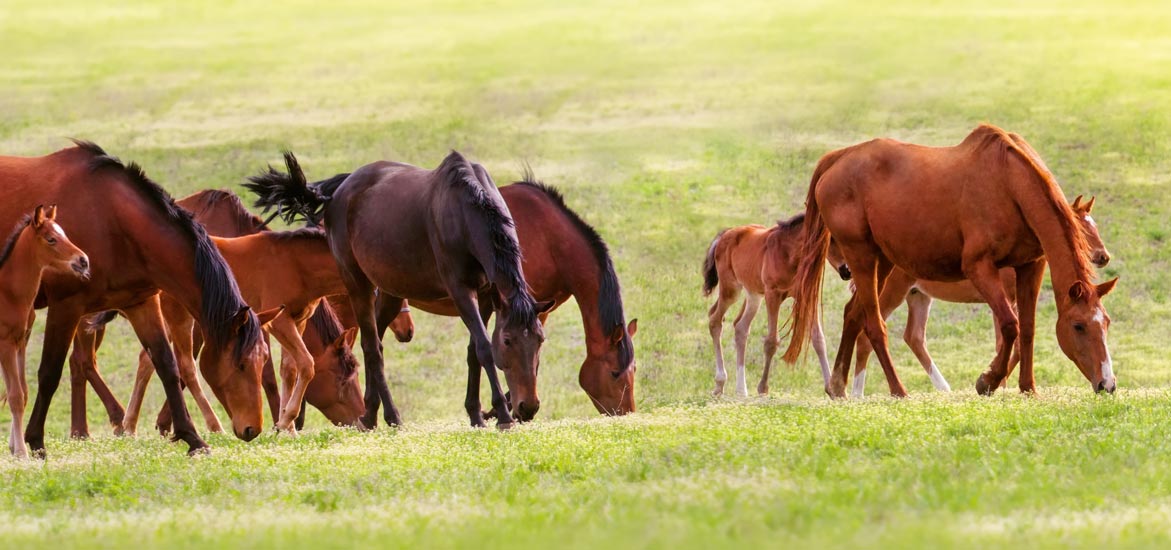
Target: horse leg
x: 896, y: 290
x: 300, y: 422
x: 142, y: 376
x: 860, y: 362
x: 272, y: 392
x: 147, y: 320
x: 772, y: 306
x: 472, y: 400
x: 469, y: 311
x: 851, y: 328
x: 915, y: 335
x: 60, y: 325
x: 715, y: 324
x: 743, y: 326
x: 16, y: 398
x: 986, y: 277
x: 1028, y: 280
x: 114, y: 409
x: 296, y: 370
x: 817, y: 338
x: 184, y: 346
x: 361, y: 293
x: 78, y: 423
x: 869, y: 279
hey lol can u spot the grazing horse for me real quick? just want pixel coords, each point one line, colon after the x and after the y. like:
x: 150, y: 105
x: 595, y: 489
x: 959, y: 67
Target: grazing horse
x: 564, y: 257
x: 37, y: 245
x: 426, y: 235
x: 762, y: 261
x: 139, y: 243
x: 946, y: 214
x: 222, y: 213
x: 403, y: 325
x: 918, y: 295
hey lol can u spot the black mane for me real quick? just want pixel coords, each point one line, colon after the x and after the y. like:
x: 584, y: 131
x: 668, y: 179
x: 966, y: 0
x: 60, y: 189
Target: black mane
x: 10, y: 242
x: 790, y: 223
x: 610, y: 310
x: 473, y: 179
x: 221, y: 299
x: 246, y: 221
x: 309, y: 233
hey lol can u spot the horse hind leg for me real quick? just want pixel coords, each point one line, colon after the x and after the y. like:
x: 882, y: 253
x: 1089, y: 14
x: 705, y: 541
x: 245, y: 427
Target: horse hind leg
x: 743, y: 326
x: 915, y: 335
x: 772, y: 305
x: 869, y: 277
x: 715, y: 317
x: 16, y: 399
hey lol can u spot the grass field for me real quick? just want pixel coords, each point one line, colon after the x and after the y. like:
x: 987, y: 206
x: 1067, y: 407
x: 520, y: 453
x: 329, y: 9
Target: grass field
x: 662, y: 122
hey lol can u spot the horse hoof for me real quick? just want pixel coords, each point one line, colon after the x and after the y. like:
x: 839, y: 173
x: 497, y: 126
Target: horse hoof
x: 983, y: 387
x: 762, y: 390
x: 505, y: 426
x: 199, y: 451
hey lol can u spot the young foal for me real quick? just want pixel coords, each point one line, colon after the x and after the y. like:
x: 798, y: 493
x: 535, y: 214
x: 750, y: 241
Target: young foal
x: 763, y: 261
x: 37, y: 245
x: 918, y: 295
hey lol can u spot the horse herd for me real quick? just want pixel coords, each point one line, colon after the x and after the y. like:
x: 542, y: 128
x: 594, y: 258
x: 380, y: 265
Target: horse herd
x: 204, y: 282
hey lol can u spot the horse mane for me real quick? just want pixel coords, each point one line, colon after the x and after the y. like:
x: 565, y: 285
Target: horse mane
x: 10, y: 241
x: 311, y: 232
x: 246, y: 221
x: 326, y: 321
x: 796, y: 221
x: 458, y: 172
x: 989, y: 135
x: 221, y: 297
x: 610, y: 309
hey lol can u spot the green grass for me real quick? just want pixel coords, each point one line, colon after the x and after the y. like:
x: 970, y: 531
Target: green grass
x: 662, y: 122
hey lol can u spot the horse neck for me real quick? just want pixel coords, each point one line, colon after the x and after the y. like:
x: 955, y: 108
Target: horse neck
x: 20, y: 276
x: 585, y: 284
x: 1057, y: 238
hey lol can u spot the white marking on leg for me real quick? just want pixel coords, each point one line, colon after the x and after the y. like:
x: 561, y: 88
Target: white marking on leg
x: 937, y: 379
x: 858, y: 390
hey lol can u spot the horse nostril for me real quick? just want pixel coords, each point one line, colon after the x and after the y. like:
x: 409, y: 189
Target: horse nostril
x: 1101, y: 386
x: 526, y: 411
x: 249, y: 433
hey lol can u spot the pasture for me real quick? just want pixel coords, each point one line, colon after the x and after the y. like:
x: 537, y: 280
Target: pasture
x: 662, y: 123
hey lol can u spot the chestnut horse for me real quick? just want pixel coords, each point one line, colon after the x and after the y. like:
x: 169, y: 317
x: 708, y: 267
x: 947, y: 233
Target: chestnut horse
x: 330, y: 391
x: 426, y: 235
x: 139, y: 242
x: 37, y: 245
x: 918, y: 295
x: 946, y: 214
x: 763, y: 262
x: 563, y: 257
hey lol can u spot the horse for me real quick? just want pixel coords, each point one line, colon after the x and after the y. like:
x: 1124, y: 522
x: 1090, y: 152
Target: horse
x: 223, y: 214
x: 139, y: 243
x: 36, y: 246
x: 918, y: 295
x: 946, y: 214
x: 565, y: 257
x: 423, y: 235
x: 402, y: 325
x: 762, y: 261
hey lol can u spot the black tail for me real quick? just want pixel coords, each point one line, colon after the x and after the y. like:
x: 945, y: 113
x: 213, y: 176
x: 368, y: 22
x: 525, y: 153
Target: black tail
x: 326, y: 187
x: 711, y: 275
x: 99, y: 321
x: 289, y: 193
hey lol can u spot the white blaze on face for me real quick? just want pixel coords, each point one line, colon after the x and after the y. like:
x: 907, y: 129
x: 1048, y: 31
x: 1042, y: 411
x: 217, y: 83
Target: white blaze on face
x: 56, y: 231
x: 1107, y: 365
x: 1090, y: 221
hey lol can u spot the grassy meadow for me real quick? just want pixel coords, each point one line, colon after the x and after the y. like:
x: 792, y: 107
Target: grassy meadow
x: 662, y: 123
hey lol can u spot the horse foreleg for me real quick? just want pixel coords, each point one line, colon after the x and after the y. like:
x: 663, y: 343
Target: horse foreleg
x: 361, y: 293
x: 715, y: 325
x: 60, y: 326
x: 472, y: 399
x: 78, y: 423
x: 817, y: 338
x: 142, y: 376
x: 915, y: 335
x: 114, y: 410
x: 16, y: 399
x: 296, y: 370
x: 1028, y: 280
x: 772, y: 306
x: 272, y: 392
x: 851, y: 328
x: 147, y: 320
x: 986, y: 277
x: 469, y: 313
x: 743, y: 326
x: 181, y: 331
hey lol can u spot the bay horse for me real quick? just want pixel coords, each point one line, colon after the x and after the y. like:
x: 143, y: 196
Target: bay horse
x: 331, y: 390
x: 139, y: 243
x: 36, y: 246
x: 918, y: 295
x: 946, y: 214
x: 762, y: 261
x: 424, y: 235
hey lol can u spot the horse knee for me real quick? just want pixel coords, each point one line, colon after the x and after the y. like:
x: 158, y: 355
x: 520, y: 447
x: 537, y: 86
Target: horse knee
x: 770, y: 346
x: 913, y: 339
x: 1009, y: 330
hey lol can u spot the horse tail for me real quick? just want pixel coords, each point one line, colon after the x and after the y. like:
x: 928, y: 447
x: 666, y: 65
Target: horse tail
x: 711, y: 275
x: 289, y: 193
x: 807, y: 286
x: 99, y: 321
x: 327, y: 187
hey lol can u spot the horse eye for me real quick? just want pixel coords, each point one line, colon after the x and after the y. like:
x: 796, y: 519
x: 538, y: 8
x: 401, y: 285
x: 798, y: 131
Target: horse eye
x: 1079, y: 327
x: 51, y: 240
x: 507, y: 342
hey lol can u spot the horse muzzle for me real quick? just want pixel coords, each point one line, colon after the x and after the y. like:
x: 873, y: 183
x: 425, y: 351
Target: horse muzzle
x: 80, y: 266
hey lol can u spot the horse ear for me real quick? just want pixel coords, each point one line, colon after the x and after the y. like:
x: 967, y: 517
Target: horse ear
x: 543, y: 307
x: 1077, y: 203
x: 51, y: 212
x: 267, y: 317
x: 498, y: 301
x: 240, y: 318
x: 1078, y: 291
x: 632, y: 327
x: 39, y: 216
x: 617, y: 334
x: 1105, y: 288
x: 1090, y: 205
x: 347, y: 338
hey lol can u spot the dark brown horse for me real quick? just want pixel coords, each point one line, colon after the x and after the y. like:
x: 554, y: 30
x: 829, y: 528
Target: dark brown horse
x: 139, y: 242
x: 426, y: 235
x: 36, y: 246
x: 948, y: 214
x: 334, y: 384
x: 564, y: 257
